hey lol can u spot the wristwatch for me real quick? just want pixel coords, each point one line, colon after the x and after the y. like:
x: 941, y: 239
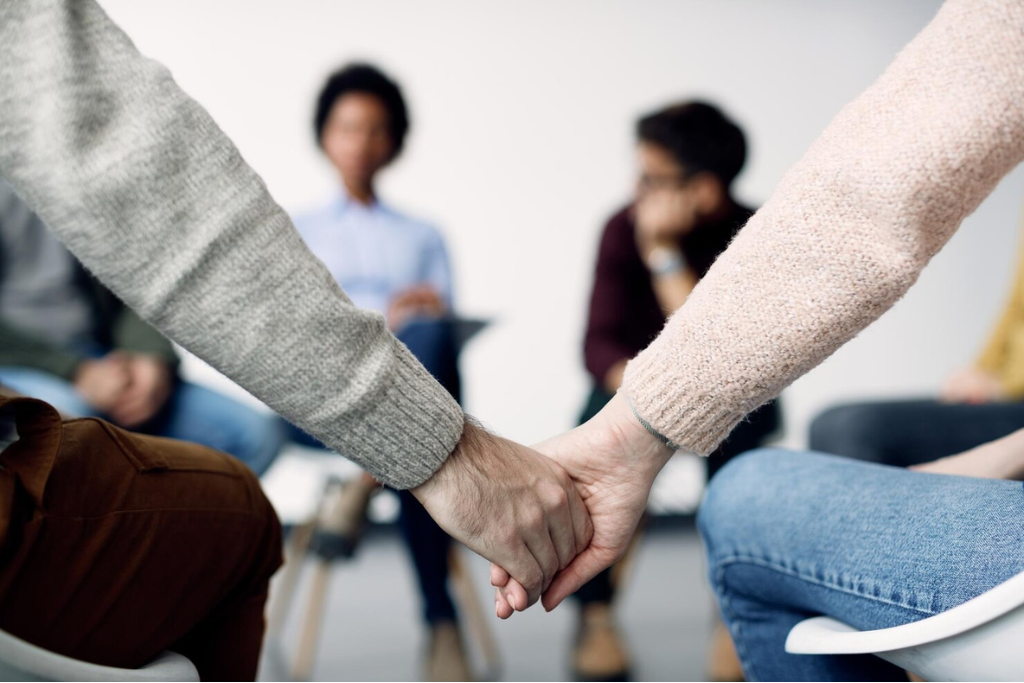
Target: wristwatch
x: 666, y: 261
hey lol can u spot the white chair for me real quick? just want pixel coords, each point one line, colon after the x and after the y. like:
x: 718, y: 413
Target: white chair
x: 975, y: 641
x: 22, y: 661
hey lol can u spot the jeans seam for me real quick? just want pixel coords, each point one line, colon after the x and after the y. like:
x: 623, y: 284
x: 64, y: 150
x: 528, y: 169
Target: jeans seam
x: 735, y: 559
x: 733, y: 625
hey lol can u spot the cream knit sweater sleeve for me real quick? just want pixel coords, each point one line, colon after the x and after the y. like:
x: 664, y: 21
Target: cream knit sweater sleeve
x: 144, y: 188
x: 848, y: 229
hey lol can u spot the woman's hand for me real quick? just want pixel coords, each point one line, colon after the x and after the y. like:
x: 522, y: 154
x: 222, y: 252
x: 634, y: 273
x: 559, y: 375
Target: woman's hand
x: 511, y: 505
x: 972, y: 385
x: 613, y: 461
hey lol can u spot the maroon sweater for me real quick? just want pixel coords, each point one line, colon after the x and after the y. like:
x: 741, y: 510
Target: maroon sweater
x: 624, y: 313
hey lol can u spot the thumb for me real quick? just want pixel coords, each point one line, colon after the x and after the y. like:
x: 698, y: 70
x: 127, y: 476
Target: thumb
x: 581, y: 570
x: 499, y: 577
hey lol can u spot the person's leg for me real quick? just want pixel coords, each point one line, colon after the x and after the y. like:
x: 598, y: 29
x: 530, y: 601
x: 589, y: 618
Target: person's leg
x: 431, y: 343
x: 791, y: 535
x: 141, y: 544
x: 599, y: 651
x: 56, y: 391
x: 428, y: 546
x: 195, y: 413
x: 907, y: 433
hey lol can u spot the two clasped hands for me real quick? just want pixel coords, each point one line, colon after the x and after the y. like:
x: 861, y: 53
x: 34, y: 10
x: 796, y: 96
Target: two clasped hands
x: 551, y: 517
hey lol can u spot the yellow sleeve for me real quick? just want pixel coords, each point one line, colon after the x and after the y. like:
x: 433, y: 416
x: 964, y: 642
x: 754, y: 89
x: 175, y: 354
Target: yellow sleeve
x: 1003, y: 355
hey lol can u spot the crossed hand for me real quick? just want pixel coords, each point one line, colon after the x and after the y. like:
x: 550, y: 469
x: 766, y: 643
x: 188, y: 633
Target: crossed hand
x: 549, y: 518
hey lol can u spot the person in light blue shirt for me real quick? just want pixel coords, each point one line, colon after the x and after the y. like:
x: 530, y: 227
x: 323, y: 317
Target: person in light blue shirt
x: 398, y: 266
x: 377, y: 254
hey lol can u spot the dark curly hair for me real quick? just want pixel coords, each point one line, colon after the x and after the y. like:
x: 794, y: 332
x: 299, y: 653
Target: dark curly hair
x: 368, y: 79
x: 699, y: 136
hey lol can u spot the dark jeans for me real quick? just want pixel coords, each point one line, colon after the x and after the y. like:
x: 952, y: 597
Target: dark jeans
x: 905, y: 433
x: 748, y: 435
x: 116, y: 546
x: 433, y: 345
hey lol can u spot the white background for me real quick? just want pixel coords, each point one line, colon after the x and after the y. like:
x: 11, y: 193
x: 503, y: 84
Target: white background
x: 522, y: 145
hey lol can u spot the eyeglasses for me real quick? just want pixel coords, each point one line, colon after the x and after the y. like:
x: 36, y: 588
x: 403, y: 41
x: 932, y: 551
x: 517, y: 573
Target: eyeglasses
x: 672, y: 181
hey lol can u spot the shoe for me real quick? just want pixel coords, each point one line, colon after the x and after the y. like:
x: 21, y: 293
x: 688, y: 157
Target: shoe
x: 723, y: 664
x: 600, y: 654
x: 342, y: 518
x: 446, y: 657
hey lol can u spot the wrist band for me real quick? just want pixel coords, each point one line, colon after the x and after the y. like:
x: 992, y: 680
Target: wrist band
x: 664, y: 261
x: 647, y: 425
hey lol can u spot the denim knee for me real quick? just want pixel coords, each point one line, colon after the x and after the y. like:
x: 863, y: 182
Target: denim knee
x: 726, y: 506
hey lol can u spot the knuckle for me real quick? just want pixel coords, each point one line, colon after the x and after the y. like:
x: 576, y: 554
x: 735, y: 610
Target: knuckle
x: 535, y: 518
x: 534, y: 579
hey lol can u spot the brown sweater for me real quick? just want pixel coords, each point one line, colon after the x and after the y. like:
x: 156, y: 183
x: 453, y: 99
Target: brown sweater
x: 848, y: 229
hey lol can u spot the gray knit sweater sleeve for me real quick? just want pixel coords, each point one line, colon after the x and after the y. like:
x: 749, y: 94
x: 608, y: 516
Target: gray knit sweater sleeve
x: 153, y: 198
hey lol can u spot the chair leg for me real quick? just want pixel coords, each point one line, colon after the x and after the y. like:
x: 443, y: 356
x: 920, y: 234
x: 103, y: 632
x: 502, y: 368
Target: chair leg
x: 473, y: 611
x: 295, y: 556
x: 302, y: 666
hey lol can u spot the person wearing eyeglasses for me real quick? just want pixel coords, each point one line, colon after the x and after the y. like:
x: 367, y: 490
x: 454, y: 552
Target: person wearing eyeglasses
x: 652, y: 254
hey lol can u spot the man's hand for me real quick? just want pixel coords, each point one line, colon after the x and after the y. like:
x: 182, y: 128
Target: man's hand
x: 662, y: 216
x: 102, y: 381
x: 511, y: 505
x: 419, y: 301
x: 972, y: 385
x: 999, y: 459
x: 150, y: 384
x: 613, y: 461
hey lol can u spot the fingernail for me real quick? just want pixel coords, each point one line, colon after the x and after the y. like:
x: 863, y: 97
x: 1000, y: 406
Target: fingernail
x: 511, y: 601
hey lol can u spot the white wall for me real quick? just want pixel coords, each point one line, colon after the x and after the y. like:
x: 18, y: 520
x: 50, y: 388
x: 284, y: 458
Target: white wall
x: 521, y: 146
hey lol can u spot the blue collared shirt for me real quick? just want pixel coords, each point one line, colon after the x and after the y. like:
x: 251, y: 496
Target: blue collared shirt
x: 374, y: 252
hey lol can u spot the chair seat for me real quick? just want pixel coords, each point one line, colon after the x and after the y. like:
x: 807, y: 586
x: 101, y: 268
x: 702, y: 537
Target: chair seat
x: 22, y: 661
x: 977, y: 640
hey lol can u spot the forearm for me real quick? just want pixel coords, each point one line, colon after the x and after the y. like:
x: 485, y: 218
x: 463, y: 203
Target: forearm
x: 672, y: 279
x: 849, y: 228
x: 153, y: 198
x: 1008, y: 460
x: 672, y: 289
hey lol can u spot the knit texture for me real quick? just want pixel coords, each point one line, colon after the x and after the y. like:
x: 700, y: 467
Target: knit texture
x: 145, y: 189
x: 849, y: 228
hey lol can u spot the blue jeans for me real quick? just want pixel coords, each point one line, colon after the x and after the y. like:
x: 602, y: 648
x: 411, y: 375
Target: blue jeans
x: 793, y: 535
x: 192, y: 413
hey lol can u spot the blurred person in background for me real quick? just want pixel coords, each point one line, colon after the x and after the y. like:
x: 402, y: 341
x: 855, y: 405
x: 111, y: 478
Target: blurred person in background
x: 652, y: 254
x: 67, y: 340
x: 397, y: 266
x: 978, y: 404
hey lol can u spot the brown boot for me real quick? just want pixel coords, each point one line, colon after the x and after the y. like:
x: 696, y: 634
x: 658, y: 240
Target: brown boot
x: 723, y: 664
x: 600, y: 654
x: 446, y: 657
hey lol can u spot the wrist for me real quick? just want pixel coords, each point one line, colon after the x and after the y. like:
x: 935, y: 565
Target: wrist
x: 440, y: 481
x: 634, y: 438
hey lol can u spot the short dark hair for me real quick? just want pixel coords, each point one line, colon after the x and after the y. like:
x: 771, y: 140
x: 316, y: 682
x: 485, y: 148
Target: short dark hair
x: 699, y: 136
x: 368, y: 79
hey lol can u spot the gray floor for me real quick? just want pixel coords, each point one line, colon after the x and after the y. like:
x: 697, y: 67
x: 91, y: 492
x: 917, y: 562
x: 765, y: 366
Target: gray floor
x: 371, y: 630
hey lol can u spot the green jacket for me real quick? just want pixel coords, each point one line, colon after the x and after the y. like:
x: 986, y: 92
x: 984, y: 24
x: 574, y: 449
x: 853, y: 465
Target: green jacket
x: 118, y: 327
